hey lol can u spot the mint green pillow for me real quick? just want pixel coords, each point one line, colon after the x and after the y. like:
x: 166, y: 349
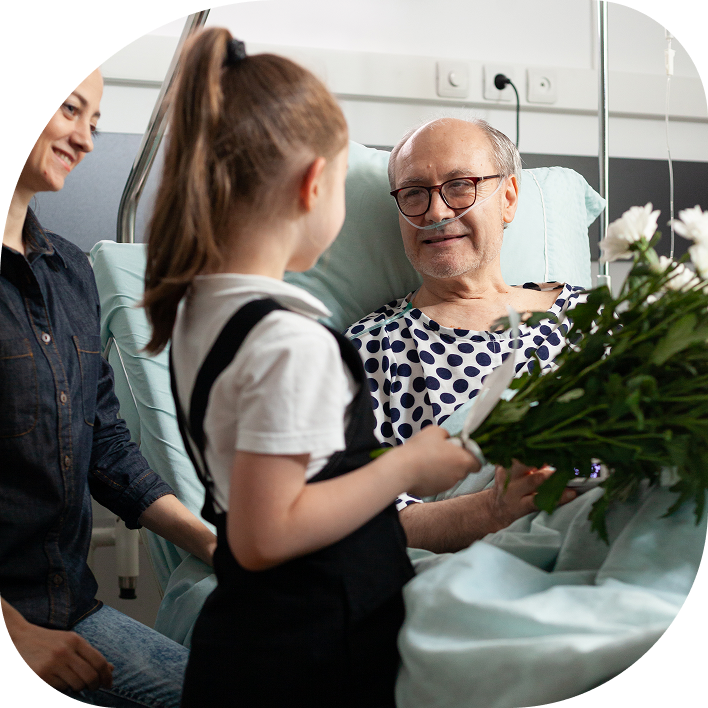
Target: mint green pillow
x: 366, y: 266
x: 548, y: 239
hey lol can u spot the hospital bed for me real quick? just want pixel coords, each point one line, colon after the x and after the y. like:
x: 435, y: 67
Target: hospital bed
x: 538, y: 612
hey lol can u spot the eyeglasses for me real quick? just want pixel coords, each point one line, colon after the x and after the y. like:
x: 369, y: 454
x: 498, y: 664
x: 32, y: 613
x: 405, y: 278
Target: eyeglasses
x: 458, y: 193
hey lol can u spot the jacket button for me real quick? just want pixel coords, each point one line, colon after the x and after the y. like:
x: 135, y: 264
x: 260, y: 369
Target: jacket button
x: 62, y: 397
x: 58, y: 580
x: 67, y: 461
x: 46, y: 338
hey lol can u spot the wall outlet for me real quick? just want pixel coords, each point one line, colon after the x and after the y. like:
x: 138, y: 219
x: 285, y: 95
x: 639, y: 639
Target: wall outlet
x: 491, y: 92
x: 541, y: 86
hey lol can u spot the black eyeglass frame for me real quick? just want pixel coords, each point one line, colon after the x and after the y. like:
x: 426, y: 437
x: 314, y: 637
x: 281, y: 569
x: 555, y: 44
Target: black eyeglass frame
x: 475, y: 181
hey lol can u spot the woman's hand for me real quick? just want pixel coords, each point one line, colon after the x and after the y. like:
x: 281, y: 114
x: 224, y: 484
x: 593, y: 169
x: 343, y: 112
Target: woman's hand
x: 512, y: 500
x: 63, y: 659
x: 169, y: 518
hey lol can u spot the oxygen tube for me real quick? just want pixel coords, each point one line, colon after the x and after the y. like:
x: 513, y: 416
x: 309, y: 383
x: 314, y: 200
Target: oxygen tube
x: 436, y: 225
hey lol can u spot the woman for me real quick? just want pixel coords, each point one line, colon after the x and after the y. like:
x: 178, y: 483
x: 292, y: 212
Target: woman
x: 60, y: 441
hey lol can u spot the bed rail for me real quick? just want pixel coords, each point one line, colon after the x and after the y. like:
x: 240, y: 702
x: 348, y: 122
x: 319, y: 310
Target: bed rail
x: 151, y: 140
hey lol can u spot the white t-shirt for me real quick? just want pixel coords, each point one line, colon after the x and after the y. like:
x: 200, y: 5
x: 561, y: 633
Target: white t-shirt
x: 287, y: 390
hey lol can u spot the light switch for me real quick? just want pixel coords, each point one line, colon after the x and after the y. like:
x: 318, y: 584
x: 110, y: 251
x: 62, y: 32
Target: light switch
x: 453, y: 79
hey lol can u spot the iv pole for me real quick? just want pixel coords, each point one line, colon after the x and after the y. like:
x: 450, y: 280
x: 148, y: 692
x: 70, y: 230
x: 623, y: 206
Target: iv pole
x: 603, y: 277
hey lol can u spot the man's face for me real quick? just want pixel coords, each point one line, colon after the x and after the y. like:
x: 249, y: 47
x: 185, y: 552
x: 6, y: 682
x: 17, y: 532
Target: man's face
x: 437, y: 153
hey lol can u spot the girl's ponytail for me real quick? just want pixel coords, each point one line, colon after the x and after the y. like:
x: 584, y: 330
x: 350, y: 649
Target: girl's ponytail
x: 182, y: 235
x: 234, y: 128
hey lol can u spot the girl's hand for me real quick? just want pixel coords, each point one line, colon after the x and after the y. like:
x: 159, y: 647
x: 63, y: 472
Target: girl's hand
x: 274, y: 515
x: 435, y: 462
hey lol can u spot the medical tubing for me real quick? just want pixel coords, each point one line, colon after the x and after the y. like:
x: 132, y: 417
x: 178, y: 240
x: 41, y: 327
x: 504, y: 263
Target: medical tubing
x: 397, y: 316
x: 671, y: 172
x: 669, y: 60
x: 445, y: 222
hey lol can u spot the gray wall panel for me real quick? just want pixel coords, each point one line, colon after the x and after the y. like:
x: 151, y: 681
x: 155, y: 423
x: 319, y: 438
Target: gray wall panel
x: 85, y: 211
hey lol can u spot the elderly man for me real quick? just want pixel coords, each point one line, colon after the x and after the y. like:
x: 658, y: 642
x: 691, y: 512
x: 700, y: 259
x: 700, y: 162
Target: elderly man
x: 456, y: 186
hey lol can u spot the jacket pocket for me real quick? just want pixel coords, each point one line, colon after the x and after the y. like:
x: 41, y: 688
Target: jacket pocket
x: 19, y: 389
x: 88, y: 349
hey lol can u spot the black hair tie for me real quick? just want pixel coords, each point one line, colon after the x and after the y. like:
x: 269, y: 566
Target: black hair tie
x: 235, y: 52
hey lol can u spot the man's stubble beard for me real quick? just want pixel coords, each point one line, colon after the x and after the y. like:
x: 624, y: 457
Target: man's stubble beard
x: 449, y: 267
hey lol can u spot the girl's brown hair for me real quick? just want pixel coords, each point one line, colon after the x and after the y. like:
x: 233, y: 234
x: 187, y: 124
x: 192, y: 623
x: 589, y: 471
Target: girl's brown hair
x: 233, y: 132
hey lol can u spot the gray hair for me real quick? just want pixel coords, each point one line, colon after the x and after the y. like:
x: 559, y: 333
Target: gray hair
x: 505, y: 156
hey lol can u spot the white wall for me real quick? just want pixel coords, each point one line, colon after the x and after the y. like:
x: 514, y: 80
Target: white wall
x: 380, y: 58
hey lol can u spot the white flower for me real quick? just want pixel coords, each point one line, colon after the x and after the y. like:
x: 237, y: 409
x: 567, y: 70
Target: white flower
x: 682, y: 278
x: 692, y: 224
x: 635, y: 224
x: 699, y: 256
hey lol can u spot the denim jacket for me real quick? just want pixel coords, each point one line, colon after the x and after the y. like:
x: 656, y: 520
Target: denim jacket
x: 61, y: 439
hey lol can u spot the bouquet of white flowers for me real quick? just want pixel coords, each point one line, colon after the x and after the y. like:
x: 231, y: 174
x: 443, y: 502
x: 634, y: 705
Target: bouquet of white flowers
x: 631, y: 390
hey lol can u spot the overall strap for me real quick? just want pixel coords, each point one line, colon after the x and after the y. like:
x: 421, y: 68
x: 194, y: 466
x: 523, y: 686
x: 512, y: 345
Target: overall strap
x: 219, y: 357
x: 208, y: 511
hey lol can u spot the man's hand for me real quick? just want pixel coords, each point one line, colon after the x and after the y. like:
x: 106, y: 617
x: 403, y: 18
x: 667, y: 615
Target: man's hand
x: 512, y: 500
x: 63, y: 659
x: 452, y: 524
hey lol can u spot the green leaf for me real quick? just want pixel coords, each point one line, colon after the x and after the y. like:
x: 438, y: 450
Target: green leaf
x: 571, y: 395
x: 641, y: 269
x: 378, y: 452
x: 677, y: 448
x: 536, y: 318
x: 549, y: 493
x: 681, y: 335
x: 509, y: 412
x: 597, y: 518
x: 644, y: 383
x: 632, y: 402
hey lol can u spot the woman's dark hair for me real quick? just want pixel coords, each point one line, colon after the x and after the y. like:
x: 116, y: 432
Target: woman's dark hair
x: 234, y: 130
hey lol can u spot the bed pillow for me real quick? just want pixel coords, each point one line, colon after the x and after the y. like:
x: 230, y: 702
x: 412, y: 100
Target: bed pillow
x: 367, y: 266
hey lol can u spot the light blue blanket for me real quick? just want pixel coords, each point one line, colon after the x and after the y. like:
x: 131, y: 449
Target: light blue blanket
x: 538, y: 612
x: 544, y: 610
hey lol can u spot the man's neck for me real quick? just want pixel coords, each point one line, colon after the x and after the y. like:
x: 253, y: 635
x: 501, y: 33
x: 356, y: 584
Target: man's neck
x: 486, y: 286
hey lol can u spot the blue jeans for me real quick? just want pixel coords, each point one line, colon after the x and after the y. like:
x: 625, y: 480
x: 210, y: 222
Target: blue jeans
x: 149, y: 667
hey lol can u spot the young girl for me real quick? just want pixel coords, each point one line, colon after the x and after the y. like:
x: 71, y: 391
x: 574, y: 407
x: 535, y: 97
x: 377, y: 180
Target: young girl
x: 311, y: 558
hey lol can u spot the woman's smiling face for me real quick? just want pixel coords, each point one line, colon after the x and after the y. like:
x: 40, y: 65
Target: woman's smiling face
x: 66, y: 139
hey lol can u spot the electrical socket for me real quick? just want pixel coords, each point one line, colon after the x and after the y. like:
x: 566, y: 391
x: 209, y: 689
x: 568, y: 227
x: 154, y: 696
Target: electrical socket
x: 541, y: 85
x: 491, y: 92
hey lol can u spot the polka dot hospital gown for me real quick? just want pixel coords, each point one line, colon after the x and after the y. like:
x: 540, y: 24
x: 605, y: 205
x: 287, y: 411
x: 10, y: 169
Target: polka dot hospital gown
x: 419, y: 372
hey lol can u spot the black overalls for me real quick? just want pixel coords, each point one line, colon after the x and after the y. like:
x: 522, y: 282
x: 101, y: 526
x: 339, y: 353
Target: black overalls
x: 318, y: 631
